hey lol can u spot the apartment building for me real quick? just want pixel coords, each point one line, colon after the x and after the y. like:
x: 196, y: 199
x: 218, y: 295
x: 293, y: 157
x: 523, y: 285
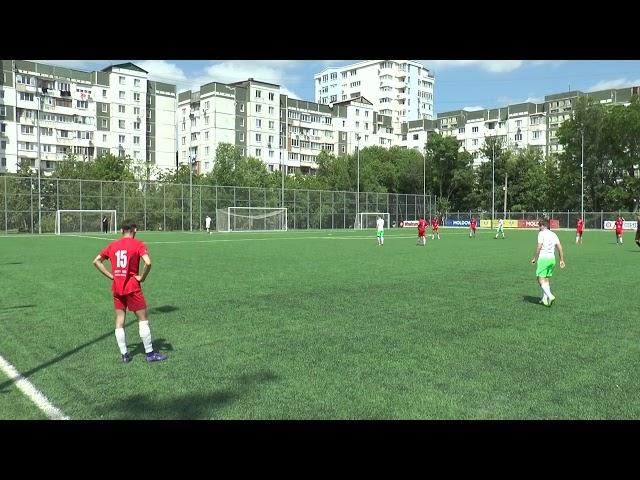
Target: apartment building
x: 400, y: 89
x: 48, y: 112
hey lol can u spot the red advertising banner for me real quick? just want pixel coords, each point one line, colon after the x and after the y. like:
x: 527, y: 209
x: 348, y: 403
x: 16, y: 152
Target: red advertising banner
x: 553, y: 223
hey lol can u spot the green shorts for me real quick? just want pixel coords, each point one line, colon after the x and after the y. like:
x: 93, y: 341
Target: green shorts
x: 545, y: 267
x: 380, y: 233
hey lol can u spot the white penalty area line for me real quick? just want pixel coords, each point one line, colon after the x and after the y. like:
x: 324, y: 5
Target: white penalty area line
x: 32, y: 392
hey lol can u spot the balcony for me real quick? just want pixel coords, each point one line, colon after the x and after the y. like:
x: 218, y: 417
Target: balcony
x: 21, y: 87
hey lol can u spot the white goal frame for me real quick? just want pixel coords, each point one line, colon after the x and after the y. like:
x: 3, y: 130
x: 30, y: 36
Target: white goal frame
x: 112, y: 228
x: 360, y: 216
x: 224, y: 218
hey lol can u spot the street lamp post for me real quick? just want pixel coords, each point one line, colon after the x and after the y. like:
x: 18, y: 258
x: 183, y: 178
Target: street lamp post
x: 40, y: 99
x: 493, y: 183
x: 192, y: 161
x: 424, y: 182
x: 582, y: 178
x: 358, y: 188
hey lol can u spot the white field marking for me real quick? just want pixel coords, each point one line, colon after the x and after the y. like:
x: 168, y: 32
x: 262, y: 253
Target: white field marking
x: 89, y: 236
x: 32, y: 392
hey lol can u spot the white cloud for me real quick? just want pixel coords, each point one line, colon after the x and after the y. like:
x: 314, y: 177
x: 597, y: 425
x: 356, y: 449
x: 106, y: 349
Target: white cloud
x: 551, y: 63
x: 77, y: 64
x: 162, y: 71
x: 473, y: 109
x: 504, y: 101
x: 493, y: 66
x: 617, y: 83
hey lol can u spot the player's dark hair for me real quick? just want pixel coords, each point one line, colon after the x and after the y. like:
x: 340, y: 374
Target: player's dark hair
x: 544, y: 222
x: 128, y: 226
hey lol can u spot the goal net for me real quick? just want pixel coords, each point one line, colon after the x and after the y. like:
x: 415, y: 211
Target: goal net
x: 368, y: 220
x: 250, y: 219
x: 85, y: 221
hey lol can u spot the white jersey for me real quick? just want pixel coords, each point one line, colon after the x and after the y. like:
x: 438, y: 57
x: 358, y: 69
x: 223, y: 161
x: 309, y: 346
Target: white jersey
x: 549, y: 240
x: 500, y: 223
x: 380, y: 224
x: 207, y: 222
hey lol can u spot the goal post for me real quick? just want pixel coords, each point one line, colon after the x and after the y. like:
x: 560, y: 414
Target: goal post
x: 251, y: 219
x: 85, y: 221
x: 368, y: 220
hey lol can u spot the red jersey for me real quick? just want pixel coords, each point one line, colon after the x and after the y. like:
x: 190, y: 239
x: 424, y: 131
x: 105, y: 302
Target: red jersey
x: 422, y: 224
x: 434, y: 223
x: 124, y: 255
x: 580, y: 225
x: 619, y: 224
x: 473, y: 223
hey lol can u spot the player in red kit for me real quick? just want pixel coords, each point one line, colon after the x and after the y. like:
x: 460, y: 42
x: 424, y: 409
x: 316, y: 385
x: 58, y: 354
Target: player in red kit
x: 579, y: 230
x: 472, y: 226
x: 434, y: 228
x: 619, y: 226
x: 124, y: 255
x: 422, y: 230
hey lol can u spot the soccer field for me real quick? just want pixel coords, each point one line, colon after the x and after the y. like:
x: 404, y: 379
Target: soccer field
x: 327, y: 325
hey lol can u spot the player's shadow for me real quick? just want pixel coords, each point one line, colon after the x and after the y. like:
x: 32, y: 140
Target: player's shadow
x: 11, y: 263
x: 162, y: 309
x: 530, y: 299
x: 195, y: 406
x: 159, y: 345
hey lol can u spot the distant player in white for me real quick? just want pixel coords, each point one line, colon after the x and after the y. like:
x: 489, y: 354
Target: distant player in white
x: 380, y: 227
x: 207, y: 223
x: 545, y: 256
x: 500, y: 228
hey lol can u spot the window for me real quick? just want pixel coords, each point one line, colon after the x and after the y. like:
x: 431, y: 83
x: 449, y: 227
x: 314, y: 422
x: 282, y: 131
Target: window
x: 518, y: 123
x: 271, y: 125
x: 475, y: 141
x: 136, y: 140
x: 3, y: 145
x: 258, y: 123
x: 194, y: 137
x: 28, y: 97
x: 271, y: 96
x: 136, y: 82
x: 3, y: 111
x: 184, y: 139
x: 258, y: 152
x: 518, y: 136
x: 136, y: 110
x: 105, y: 123
x: 258, y: 108
x: 271, y: 156
x: 461, y: 130
x: 104, y: 93
x: 136, y: 97
x: 242, y: 137
x: 122, y: 80
x: 357, y: 124
x: 121, y: 138
x: 4, y: 162
x: 206, y: 135
x: 258, y: 93
x: 120, y: 123
x: 474, y: 129
x: 3, y: 127
x: 242, y: 107
x: 104, y: 108
x: 415, y: 136
x: 258, y: 137
x: 206, y: 150
x: 104, y: 137
x: 270, y: 110
x: 64, y: 133
x: 26, y: 129
x: 536, y: 135
x: 121, y: 95
x: 121, y: 109
x: 136, y: 125
x: 242, y: 122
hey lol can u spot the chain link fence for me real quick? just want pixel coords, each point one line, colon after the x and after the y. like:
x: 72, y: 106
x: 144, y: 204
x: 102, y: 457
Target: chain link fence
x: 180, y: 207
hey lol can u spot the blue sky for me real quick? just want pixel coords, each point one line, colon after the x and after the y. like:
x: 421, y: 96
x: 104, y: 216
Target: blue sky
x: 458, y: 83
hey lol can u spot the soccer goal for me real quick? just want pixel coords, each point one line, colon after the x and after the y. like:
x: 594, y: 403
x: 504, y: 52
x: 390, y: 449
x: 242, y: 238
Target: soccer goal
x: 368, y: 220
x: 85, y: 221
x: 251, y: 219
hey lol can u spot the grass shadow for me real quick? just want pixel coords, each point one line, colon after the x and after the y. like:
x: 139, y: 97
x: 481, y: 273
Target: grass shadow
x: 530, y: 299
x: 163, y: 309
x: 159, y: 345
x: 13, y: 307
x: 196, y: 406
x: 11, y: 263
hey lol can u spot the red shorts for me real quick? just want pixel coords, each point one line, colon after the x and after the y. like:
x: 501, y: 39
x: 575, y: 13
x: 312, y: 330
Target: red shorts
x: 579, y: 232
x: 132, y: 302
x: 618, y: 232
x: 421, y: 233
x: 473, y: 228
x: 435, y: 229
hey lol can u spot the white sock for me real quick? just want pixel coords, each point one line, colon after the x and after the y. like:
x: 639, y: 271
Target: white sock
x: 546, y: 289
x: 120, y: 338
x: 145, y: 335
x: 382, y: 240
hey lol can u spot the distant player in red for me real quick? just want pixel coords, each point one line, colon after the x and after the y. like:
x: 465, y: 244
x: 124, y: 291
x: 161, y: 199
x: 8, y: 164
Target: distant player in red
x: 579, y: 230
x: 435, y: 223
x: 422, y: 230
x: 619, y: 227
x: 472, y: 226
x: 124, y: 255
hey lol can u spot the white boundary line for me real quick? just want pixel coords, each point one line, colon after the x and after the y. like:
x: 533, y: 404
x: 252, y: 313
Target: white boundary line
x: 32, y: 392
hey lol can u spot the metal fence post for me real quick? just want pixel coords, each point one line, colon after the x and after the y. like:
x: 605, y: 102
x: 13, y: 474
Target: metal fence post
x: 200, y: 217
x: 182, y: 207
x: 6, y: 213
x: 144, y: 200
x: 164, y: 209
